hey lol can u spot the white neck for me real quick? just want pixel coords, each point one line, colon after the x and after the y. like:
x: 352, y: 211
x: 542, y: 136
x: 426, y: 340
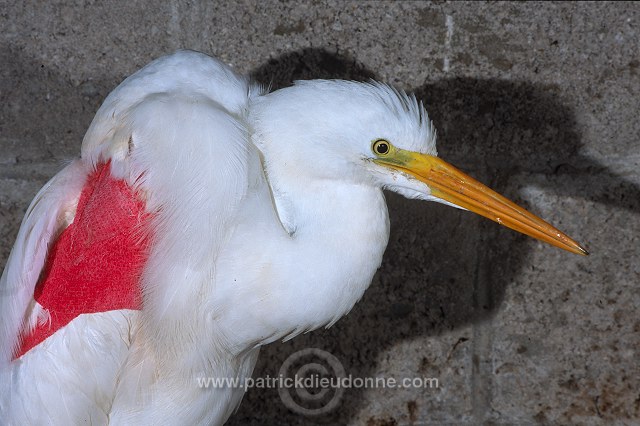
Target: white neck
x: 338, y: 233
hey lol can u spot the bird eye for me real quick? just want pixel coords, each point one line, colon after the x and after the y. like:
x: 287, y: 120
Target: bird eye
x: 381, y: 147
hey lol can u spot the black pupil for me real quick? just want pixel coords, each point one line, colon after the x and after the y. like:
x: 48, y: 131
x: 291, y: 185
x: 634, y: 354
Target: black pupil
x: 382, y: 148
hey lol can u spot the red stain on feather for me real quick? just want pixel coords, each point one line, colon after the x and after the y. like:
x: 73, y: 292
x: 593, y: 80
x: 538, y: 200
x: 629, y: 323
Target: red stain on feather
x: 96, y: 263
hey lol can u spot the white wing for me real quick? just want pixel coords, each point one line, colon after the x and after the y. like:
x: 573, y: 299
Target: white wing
x: 52, y: 209
x: 177, y: 131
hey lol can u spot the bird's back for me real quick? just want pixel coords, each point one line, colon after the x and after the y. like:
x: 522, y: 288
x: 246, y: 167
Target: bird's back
x: 190, y: 74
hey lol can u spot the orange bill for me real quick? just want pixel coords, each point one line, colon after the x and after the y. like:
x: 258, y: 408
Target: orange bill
x: 450, y: 184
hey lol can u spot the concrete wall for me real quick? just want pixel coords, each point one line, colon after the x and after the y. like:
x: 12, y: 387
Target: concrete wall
x: 539, y: 100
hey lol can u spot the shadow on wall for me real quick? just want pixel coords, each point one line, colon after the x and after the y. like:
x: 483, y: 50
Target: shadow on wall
x: 443, y: 268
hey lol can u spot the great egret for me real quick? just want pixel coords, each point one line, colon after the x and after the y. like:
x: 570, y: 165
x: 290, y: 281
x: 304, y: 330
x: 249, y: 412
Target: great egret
x: 205, y: 218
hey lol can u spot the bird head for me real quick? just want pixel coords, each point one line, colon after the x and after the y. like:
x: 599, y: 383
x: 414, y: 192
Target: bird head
x: 372, y: 134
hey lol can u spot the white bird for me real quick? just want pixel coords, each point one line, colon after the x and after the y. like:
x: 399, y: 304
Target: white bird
x: 205, y: 218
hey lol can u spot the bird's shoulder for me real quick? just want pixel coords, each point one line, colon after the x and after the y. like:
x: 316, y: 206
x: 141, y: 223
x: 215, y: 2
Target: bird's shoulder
x: 177, y: 133
x: 161, y: 93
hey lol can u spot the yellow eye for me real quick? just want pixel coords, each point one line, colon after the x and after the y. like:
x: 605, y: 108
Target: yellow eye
x: 381, y: 147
